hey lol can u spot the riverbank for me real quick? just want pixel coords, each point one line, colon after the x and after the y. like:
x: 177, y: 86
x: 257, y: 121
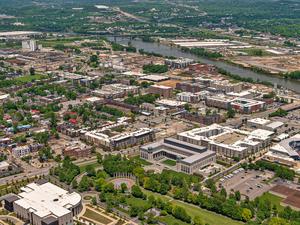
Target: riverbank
x: 260, y: 70
x: 166, y: 50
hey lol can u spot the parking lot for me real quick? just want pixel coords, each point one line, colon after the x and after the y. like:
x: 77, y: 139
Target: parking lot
x: 248, y: 183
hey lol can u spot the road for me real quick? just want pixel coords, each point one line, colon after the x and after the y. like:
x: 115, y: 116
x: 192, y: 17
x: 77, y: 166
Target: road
x: 22, y: 176
x: 116, y: 9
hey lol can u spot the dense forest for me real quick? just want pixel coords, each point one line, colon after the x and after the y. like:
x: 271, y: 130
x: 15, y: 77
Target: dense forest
x: 277, y: 17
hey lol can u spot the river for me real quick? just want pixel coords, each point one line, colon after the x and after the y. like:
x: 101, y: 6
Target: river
x: 166, y: 50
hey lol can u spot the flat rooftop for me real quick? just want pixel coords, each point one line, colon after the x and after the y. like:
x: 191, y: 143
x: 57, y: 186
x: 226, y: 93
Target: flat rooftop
x: 229, y: 138
x: 47, y: 199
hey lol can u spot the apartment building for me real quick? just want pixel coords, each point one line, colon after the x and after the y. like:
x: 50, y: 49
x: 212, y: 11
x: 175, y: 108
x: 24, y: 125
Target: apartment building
x: 163, y: 91
x: 123, y: 140
x: 228, y: 142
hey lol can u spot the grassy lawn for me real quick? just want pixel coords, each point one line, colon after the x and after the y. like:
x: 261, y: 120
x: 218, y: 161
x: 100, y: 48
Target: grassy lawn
x: 90, y: 214
x: 207, y: 216
x: 275, y: 200
x: 137, y: 202
x: 87, y: 197
x: 30, y: 78
x: 142, y: 161
x: 169, y: 162
x: 157, y: 195
x: 83, y: 166
x: 170, y: 220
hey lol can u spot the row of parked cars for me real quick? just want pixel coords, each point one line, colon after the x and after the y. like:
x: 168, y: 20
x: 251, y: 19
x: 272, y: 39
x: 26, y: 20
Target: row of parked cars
x: 231, y: 174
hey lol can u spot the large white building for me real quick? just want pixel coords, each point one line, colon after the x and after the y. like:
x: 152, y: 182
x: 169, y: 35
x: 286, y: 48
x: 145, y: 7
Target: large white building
x: 189, y: 158
x: 228, y: 142
x: 30, y: 45
x: 45, y: 204
x: 286, y: 152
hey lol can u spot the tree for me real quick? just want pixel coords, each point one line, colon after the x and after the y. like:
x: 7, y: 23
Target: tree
x: 246, y: 214
x: 94, y: 59
x: 90, y: 170
x: 84, y: 184
x: 32, y: 71
x: 187, y: 107
x: 198, y: 220
x: 180, y: 213
x: 277, y: 221
x: 99, y: 158
x: 134, y: 211
x: 237, y: 195
x: 230, y: 113
x: 123, y: 187
x: 137, y: 192
x: 223, y: 192
x: 94, y: 201
x: 74, y: 184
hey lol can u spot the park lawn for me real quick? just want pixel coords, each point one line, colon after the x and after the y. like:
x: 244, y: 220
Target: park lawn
x: 83, y: 166
x: 157, y: 195
x: 169, y: 162
x: 208, y: 217
x: 30, y: 78
x: 90, y: 214
x: 275, y: 200
x: 137, y: 202
x: 171, y: 220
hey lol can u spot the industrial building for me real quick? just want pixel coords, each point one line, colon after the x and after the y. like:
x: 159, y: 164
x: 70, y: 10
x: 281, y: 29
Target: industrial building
x: 44, y: 203
x: 179, y: 63
x: 189, y: 157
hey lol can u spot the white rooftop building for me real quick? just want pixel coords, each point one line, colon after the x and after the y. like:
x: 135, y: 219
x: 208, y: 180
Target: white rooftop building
x: 286, y: 152
x: 46, y: 203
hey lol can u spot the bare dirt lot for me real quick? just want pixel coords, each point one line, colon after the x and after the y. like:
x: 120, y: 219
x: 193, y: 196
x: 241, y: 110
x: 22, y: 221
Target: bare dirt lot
x: 273, y: 64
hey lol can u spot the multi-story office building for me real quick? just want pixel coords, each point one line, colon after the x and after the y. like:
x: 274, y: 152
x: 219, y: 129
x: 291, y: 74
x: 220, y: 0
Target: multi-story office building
x: 189, y: 157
